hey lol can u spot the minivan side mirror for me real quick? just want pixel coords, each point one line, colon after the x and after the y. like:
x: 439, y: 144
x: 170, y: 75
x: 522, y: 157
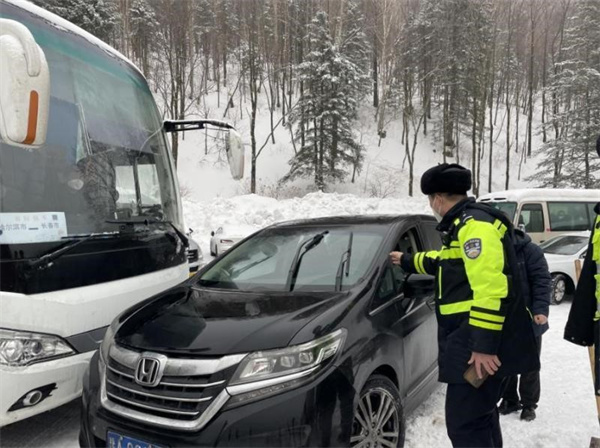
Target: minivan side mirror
x: 419, y: 286
x: 212, y: 233
x: 25, y: 87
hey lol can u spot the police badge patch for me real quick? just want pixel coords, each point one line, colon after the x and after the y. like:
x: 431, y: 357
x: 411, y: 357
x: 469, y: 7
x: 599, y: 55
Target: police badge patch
x: 472, y: 248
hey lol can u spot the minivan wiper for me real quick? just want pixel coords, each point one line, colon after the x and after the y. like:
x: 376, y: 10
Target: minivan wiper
x: 150, y: 221
x: 46, y: 260
x: 345, y: 261
x: 304, y: 247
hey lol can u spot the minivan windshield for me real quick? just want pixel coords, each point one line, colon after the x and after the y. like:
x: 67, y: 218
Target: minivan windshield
x: 105, y: 156
x: 265, y: 261
x: 565, y: 245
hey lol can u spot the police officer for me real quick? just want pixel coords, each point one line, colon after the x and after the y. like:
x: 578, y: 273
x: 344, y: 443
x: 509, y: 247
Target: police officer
x: 582, y: 327
x: 472, y: 292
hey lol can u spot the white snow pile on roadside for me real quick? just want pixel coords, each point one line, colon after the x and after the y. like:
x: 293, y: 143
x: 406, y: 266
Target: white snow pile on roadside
x: 240, y: 214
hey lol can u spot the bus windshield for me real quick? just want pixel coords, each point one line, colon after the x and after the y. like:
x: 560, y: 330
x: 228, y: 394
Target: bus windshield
x: 105, y: 156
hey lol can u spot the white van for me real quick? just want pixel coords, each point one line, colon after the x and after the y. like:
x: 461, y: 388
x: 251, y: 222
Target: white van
x: 546, y: 212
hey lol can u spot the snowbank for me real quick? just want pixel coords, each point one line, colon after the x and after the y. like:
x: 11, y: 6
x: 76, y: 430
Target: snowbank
x: 243, y: 213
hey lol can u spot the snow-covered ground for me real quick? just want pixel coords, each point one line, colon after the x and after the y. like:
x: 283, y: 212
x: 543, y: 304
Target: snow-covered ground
x: 566, y: 415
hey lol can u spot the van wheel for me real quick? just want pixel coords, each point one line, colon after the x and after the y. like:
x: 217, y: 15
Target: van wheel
x: 559, y: 288
x: 379, y: 417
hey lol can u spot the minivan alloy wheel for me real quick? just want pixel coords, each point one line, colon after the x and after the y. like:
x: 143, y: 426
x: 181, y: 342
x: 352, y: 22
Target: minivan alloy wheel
x: 377, y: 419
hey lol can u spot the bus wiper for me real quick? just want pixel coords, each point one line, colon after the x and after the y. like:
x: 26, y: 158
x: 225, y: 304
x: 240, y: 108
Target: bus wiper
x: 46, y: 260
x: 150, y: 221
x: 304, y: 247
x: 345, y: 261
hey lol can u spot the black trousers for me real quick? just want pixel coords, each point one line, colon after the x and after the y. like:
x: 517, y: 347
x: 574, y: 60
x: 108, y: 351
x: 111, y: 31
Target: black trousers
x: 472, y: 418
x: 527, y: 390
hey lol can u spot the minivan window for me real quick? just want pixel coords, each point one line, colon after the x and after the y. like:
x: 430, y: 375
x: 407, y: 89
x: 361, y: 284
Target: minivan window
x: 532, y: 217
x: 387, y: 288
x: 508, y: 208
x: 264, y: 261
x: 433, y: 235
x: 569, y: 216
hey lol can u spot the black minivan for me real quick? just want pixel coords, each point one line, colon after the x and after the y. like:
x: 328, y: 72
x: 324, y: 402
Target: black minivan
x: 303, y: 334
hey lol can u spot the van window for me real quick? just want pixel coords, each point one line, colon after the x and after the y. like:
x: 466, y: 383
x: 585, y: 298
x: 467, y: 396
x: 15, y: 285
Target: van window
x: 532, y: 216
x: 508, y: 208
x: 567, y: 216
x: 592, y: 213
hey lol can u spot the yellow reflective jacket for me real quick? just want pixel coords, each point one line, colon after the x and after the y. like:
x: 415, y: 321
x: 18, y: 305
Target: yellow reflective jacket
x: 473, y: 291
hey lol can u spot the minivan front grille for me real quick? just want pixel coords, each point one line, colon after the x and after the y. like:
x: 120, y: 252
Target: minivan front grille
x: 181, y: 398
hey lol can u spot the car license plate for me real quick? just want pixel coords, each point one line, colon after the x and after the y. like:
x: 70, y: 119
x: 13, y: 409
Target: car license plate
x: 114, y: 440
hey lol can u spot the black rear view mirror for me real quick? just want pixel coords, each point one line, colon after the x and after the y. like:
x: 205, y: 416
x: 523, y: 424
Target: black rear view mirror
x: 419, y: 286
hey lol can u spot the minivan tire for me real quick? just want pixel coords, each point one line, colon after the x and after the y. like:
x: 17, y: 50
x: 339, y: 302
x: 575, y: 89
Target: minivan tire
x: 371, y: 421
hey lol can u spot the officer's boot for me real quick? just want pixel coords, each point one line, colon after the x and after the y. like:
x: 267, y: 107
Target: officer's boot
x: 528, y: 414
x: 508, y: 407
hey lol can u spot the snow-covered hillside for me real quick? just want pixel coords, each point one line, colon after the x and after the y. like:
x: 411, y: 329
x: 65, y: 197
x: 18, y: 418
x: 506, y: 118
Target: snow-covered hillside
x: 384, y: 173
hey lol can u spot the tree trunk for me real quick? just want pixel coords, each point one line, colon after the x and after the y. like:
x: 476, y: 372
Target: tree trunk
x: 530, y: 99
x: 375, y: 75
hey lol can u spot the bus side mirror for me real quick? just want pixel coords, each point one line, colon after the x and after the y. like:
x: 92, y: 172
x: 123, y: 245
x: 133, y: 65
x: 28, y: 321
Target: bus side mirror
x: 24, y: 89
x: 235, y: 154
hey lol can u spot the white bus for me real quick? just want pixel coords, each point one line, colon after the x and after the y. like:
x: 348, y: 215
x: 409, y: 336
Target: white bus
x: 90, y: 212
x: 545, y: 212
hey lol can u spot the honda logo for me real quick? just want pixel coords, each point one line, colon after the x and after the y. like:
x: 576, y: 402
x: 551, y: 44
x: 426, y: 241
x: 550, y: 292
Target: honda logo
x: 150, y: 369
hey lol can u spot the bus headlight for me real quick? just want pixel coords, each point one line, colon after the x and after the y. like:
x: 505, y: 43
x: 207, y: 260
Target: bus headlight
x: 20, y: 348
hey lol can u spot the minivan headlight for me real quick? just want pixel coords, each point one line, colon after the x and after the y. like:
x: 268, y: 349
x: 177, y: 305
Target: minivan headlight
x: 20, y: 348
x: 277, y: 366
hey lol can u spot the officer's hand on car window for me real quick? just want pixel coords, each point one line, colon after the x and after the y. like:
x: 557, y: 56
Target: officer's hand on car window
x: 395, y: 257
x: 540, y: 319
x: 490, y: 363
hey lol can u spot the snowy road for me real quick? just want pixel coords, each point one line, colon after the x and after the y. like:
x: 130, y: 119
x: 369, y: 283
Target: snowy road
x: 566, y: 416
